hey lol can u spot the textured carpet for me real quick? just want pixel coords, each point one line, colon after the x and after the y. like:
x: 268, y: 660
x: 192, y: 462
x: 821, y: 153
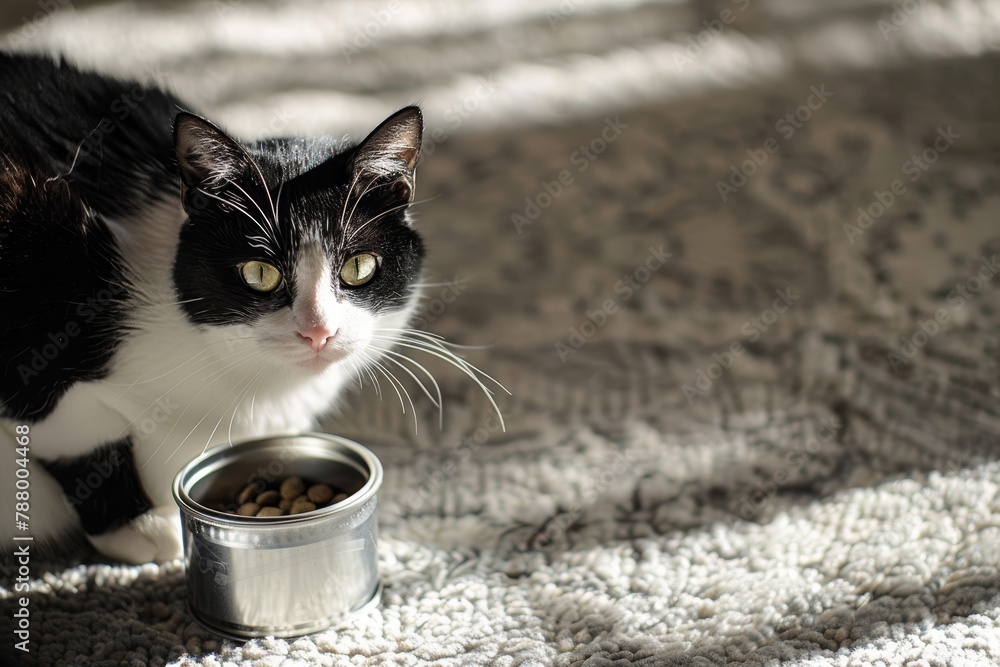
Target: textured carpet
x: 749, y: 424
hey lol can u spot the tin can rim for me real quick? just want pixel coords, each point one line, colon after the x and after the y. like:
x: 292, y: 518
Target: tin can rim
x: 218, y: 457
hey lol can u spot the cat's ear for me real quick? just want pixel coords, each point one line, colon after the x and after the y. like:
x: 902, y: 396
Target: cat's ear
x: 206, y: 155
x: 391, y: 151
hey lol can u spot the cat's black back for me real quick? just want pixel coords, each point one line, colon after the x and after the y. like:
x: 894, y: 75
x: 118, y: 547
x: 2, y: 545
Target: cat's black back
x: 110, y: 139
x: 74, y: 147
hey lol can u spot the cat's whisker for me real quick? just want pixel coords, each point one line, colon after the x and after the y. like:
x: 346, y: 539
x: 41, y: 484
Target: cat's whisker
x: 231, y: 203
x: 399, y: 386
x: 249, y: 354
x: 422, y: 285
x: 235, y: 405
x: 167, y: 304
x: 76, y: 156
x: 347, y: 199
x: 355, y: 208
x: 429, y: 334
x: 374, y: 364
x: 363, y: 365
x: 384, y: 213
x: 234, y: 201
x: 274, y: 210
x: 426, y: 200
x: 395, y: 358
x: 437, y: 342
x: 434, y: 348
x: 259, y: 209
x: 217, y: 424
x: 432, y: 343
x: 358, y: 369
x: 236, y: 408
x: 378, y: 386
x: 354, y: 372
x: 253, y: 399
x: 440, y: 339
x: 144, y: 379
x: 217, y: 376
x: 459, y: 346
x: 234, y: 207
x: 277, y: 207
x: 417, y: 332
x: 210, y: 379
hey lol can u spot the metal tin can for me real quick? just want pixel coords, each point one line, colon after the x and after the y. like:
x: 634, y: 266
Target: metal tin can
x: 279, y: 576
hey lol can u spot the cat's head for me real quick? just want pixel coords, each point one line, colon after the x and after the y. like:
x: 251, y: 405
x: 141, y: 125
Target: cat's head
x: 304, y: 248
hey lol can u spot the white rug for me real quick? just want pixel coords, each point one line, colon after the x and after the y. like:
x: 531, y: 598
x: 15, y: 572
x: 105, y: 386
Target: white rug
x: 688, y: 475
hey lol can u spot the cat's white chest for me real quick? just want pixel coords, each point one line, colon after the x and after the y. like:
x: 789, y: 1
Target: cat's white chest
x: 174, y: 395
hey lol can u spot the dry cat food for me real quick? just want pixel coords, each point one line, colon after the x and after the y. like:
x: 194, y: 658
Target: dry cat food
x: 292, y: 495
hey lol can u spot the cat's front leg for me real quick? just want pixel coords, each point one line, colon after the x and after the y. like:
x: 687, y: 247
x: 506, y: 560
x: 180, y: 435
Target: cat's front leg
x: 154, y: 536
x: 115, y: 512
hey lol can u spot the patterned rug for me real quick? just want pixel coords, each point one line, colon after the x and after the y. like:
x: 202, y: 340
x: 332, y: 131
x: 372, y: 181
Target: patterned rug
x: 735, y: 261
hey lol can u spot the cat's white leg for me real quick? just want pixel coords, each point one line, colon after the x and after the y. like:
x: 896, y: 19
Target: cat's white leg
x: 153, y: 537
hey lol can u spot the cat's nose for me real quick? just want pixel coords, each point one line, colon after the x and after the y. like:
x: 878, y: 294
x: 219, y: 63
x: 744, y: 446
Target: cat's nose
x: 316, y: 337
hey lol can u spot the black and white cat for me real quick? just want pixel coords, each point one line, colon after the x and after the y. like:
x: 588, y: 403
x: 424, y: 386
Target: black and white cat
x: 165, y: 288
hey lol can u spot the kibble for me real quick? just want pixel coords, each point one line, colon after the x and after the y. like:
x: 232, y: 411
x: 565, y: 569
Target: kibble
x: 269, y: 499
x: 302, y: 505
x: 320, y: 493
x: 252, y: 490
x: 293, y: 495
x: 270, y: 511
x: 293, y: 487
x: 248, y: 509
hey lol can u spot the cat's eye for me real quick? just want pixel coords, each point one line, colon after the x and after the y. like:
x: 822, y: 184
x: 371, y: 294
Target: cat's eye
x: 359, y: 269
x: 260, y: 276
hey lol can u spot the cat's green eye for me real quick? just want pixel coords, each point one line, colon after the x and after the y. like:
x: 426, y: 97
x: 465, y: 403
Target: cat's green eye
x: 260, y: 276
x: 359, y: 269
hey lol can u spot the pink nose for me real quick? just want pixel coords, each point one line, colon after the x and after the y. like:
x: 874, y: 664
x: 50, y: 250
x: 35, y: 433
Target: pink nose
x: 316, y: 337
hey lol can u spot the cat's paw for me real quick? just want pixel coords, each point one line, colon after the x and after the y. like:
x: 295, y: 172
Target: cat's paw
x: 153, y: 537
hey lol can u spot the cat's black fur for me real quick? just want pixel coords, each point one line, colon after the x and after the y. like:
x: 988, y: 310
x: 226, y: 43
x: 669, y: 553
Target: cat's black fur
x: 62, y: 292
x: 116, y: 499
x: 74, y: 147
x: 109, y: 138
